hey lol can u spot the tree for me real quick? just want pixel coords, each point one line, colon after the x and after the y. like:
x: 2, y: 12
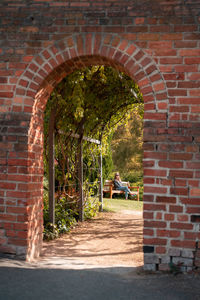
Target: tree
x: 127, y: 143
x: 97, y: 98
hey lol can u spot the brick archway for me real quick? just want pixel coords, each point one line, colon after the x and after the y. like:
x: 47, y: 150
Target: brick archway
x: 76, y: 51
x: 150, y: 41
x: 32, y: 91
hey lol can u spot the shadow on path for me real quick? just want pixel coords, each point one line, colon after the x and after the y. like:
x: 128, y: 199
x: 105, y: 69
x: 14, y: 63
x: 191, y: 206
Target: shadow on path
x: 29, y: 282
x: 110, y: 239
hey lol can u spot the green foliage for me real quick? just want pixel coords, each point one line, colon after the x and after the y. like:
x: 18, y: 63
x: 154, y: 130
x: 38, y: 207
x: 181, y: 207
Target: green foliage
x: 65, y: 218
x: 91, y: 207
x: 50, y: 231
x: 135, y: 177
x: 175, y: 268
x: 127, y: 146
x: 92, y: 102
x: 91, y: 203
x: 107, y: 160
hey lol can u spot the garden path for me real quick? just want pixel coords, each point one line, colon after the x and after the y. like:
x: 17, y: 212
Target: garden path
x: 110, y: 239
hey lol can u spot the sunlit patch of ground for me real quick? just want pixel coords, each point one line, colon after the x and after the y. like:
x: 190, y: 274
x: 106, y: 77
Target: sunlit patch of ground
x: 111, y: 239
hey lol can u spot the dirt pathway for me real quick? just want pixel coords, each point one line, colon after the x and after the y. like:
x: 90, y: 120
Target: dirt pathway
x: 111, y: 239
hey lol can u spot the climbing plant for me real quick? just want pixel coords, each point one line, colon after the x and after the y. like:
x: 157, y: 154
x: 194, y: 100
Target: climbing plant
x: 90, y: 102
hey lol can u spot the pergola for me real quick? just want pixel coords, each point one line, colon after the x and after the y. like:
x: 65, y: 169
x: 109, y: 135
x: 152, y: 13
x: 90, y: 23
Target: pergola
x: 80, y: 138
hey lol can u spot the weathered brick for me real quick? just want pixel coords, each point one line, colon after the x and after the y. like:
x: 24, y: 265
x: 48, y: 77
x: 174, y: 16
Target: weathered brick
x: 171, y: 36
x: 169, y: 217
x: 160, y: 53
x: 149, y: 267
x: 181, y: 174
x: 148, y: 232
x: 174, y: 252
x: 149, y: 36
x: 168, y: 233
x: 164, y: 199
x: 155, y: 241
x: 160, y: 249
x: 150, y: 259
x: 17, y: 242
x: 195, y: 192
x: 180, y: 156
x: 180, y: 225
x: 183, y: 244
x: 172, y: 165
x: 154, y: 224
x: 182, y: 260
x: 175, y: 208
x: 154, y: 207
x: 179, y: 191
x: 182, y: 218
x: 187, y: 253
x: 159, y: 190
x: 8, y: 249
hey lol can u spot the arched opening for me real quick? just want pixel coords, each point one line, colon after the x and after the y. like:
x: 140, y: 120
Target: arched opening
x: 91, y: 102
x: 45, y: 72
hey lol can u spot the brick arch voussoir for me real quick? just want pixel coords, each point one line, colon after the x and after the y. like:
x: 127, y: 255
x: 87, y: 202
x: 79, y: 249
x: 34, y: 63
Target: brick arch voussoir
x: 78, y: 50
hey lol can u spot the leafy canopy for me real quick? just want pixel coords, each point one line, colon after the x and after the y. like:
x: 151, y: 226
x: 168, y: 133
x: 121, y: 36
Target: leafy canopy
x: 93, y: 100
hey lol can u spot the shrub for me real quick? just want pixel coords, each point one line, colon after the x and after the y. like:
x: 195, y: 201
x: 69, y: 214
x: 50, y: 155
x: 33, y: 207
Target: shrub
x: 135, y: 177
x: 65, y: 219
x: 66, y: 215
x: 91, y: 207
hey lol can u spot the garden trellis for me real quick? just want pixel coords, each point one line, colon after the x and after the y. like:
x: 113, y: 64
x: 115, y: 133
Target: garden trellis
x: 80, y: 139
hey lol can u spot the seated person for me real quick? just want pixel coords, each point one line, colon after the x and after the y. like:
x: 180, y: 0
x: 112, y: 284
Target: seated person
x: 118, y: 186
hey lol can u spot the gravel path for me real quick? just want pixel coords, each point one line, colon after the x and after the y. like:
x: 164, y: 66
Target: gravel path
x: 108, y: 240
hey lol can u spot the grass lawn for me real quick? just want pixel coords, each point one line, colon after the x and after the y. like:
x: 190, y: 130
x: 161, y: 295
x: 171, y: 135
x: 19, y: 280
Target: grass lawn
x: 116, y: 205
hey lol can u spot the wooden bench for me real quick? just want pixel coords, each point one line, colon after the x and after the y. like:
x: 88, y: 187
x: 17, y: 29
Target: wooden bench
x: 109, y: 188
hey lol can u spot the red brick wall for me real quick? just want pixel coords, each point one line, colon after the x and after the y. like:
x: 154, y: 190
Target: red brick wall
x: 157, y: 44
